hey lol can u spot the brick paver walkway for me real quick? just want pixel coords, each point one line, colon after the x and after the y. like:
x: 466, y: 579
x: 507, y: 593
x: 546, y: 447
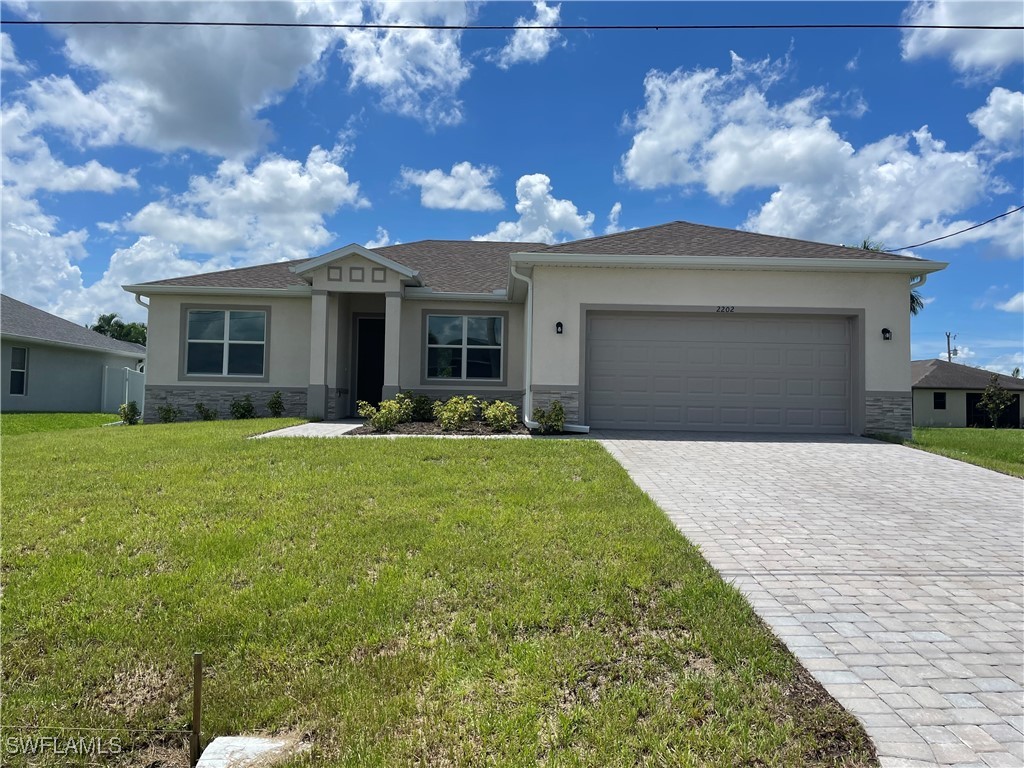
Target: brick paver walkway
x: 894, y: 575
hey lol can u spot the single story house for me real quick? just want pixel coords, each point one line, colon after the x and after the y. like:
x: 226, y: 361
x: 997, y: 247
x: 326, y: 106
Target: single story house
x: 52, y: 364
x: 675, y: 327
x: 948, y: 395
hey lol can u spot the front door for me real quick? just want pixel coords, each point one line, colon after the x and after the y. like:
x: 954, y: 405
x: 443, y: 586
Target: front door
x: 369, y: 359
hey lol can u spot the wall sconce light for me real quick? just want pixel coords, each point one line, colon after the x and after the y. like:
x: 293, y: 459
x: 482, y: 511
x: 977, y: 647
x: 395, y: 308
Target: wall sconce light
x: 558, y: 328
x: 886, y: 334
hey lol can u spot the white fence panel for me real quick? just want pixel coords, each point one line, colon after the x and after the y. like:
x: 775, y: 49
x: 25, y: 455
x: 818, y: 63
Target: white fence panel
x: 121, y: 385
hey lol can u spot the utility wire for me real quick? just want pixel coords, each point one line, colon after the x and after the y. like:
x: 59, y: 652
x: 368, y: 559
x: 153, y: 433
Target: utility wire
x: 493, y: 27
x: 954, y: 234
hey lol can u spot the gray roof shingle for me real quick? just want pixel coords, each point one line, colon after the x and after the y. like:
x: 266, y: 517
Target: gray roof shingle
x: 20, y: 319
x: 473, y: 266
x: 681, y: 238
x: 942, y: 374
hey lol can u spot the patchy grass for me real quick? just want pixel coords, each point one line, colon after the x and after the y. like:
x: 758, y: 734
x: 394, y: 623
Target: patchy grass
x: 23, y: 423
x: 999, y: 449
x: 398, y: 602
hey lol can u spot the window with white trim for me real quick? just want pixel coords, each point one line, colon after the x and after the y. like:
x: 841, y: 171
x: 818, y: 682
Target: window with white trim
x: 226, y: 342
x: 464, y: 347
x: 19, y: 370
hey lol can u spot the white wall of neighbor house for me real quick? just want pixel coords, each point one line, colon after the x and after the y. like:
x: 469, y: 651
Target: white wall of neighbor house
x: 288, y: 364
x: 954, y: 415
x: 413, y: 345
x: 561, y: 291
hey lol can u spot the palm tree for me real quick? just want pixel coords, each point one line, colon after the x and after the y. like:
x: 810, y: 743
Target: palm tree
x: 916, y: 299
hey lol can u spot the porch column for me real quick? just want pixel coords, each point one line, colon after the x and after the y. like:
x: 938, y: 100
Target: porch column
x: 392, y: 334
x: 316, y: 396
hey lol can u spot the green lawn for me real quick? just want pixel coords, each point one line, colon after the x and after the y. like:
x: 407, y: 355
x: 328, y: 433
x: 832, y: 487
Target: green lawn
x: 397, y: 602
x: 998, y: 449
x: 23, y: 423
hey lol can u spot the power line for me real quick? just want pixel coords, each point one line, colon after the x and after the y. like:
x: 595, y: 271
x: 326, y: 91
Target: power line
x: 495, y: 27
x: 954, y: 234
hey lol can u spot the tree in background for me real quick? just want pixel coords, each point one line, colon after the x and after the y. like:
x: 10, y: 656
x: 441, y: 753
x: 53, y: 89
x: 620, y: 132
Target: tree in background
x: 916, y: 300
x: 111, y: 325
x: 995, y: 399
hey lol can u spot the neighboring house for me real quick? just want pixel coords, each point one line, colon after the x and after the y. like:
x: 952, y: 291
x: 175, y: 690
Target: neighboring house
x: 948, y: 395
x: 678, y: 327
x: 52, y: 364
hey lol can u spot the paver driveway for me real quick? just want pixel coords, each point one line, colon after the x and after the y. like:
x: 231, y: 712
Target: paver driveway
x: 893, y: 574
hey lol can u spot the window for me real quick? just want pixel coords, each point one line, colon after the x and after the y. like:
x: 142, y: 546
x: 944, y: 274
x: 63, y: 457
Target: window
x: 464, y: 347
x: 19, y: 370
x: 939, y: 401
x: 226, y: 342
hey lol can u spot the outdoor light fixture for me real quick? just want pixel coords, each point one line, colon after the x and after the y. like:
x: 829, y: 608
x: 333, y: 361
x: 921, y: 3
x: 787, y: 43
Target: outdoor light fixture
x: 886, y: 334
x: 558, y: 328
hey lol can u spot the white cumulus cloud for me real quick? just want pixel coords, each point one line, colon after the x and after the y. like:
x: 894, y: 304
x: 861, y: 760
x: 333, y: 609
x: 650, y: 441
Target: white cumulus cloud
x: 1001, y: 119
x: 542, y: 216
x: 465, y: 188
x: 532, y: 45
x: 972, y: 52
x: 613, y: 219
x: 381, y: 240
x: 722, y: 132
x: 9, y: 63
x: 1014, y: 304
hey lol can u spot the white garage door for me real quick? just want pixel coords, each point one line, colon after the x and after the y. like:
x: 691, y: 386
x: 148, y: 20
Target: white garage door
x: 720, y: 372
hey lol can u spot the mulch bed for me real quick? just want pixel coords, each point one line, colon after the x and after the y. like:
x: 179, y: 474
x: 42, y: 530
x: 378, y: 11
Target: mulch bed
x: 476, y: 428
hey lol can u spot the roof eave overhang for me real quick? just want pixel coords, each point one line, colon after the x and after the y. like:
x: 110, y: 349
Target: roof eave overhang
x: 354, y: 249
x: 134, y: 355
x: 152, y: 290
x: 760, y: 263
x: 416, y: 292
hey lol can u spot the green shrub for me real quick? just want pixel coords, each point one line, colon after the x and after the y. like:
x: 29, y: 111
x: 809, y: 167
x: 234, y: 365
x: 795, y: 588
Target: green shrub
x: 168, y: 413
x: 499, y: 415
x: 422, y: 407
x: 242, y: 408
x: 387, y: 415
x: 455, y: 412
x: 129, y: 413
x: 552, y: 420
x: 206, y: 414
x: 276, y: 405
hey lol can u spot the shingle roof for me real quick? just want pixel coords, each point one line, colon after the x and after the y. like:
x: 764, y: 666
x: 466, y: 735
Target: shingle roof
x: 482, y: 266
x: 941, y: 374
x: 20, y: 319
x: 681, y: 238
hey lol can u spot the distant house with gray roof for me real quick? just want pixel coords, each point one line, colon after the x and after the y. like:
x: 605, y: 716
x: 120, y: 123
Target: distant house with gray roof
x: 51, y: 364
x: 673, y: 327
x: 949, y: 394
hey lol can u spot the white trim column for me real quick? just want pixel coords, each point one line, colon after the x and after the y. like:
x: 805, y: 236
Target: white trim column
x: 316, y: 398
x: 392, y: 337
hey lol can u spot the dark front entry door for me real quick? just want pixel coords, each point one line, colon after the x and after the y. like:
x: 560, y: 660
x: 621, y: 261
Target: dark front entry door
x: 978, y: 416
x: 369, y: 358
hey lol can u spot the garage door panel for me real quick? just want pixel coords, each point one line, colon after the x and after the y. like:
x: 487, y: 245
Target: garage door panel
x: 718, y: 372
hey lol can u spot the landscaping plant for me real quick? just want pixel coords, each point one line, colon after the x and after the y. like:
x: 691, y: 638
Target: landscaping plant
x: 388, y: 415
x: 205, y: 413
x: 243, y: 408
x: 456, y: 412
x: 275, y: 405
x: 552, y: 420
x: 422, y: 407
x: 168, y: 413
x: 499, y: 415
x: 130, y: 413
x: 995, y: 399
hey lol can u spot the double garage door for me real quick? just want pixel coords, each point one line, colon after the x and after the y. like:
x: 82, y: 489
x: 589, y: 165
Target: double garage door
x: 718, y: 372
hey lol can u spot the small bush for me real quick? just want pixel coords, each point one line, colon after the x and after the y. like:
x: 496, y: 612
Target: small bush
x: 276, y: 405
x: 387, y: 415
x: 422, y: 408
x: 130, y: 413
x: 455, y: 412
x: 552, y: 420
x: 206, y: 414
x: 242, y: 408
x: 500, y: 416
x: 168, y: 413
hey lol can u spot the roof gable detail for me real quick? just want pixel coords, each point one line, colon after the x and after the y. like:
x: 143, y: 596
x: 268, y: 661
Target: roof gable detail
x: 348, y: 251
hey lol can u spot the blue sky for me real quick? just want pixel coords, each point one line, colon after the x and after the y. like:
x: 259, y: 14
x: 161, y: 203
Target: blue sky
x: 133, y: 154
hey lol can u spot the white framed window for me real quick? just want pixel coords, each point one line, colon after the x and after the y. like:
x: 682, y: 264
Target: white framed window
x: 465, y: 347
x: 226, y: 342
x: 19, y: 371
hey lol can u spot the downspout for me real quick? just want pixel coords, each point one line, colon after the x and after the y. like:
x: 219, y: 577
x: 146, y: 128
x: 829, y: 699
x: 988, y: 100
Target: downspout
x: 528, y: 347
x: 528, y: 362
x: 140, y: 302
x: 917, y: 281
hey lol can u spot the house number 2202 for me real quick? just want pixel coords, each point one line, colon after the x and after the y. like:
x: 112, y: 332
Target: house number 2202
x: 726, y: 309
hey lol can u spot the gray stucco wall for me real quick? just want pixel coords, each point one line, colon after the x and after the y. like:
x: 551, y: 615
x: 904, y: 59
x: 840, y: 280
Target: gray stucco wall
x: 59, y: 379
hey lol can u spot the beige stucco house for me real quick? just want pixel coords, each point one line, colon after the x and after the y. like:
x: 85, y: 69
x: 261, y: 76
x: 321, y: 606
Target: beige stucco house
x: 675, y: 327
x: 948, y: 395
